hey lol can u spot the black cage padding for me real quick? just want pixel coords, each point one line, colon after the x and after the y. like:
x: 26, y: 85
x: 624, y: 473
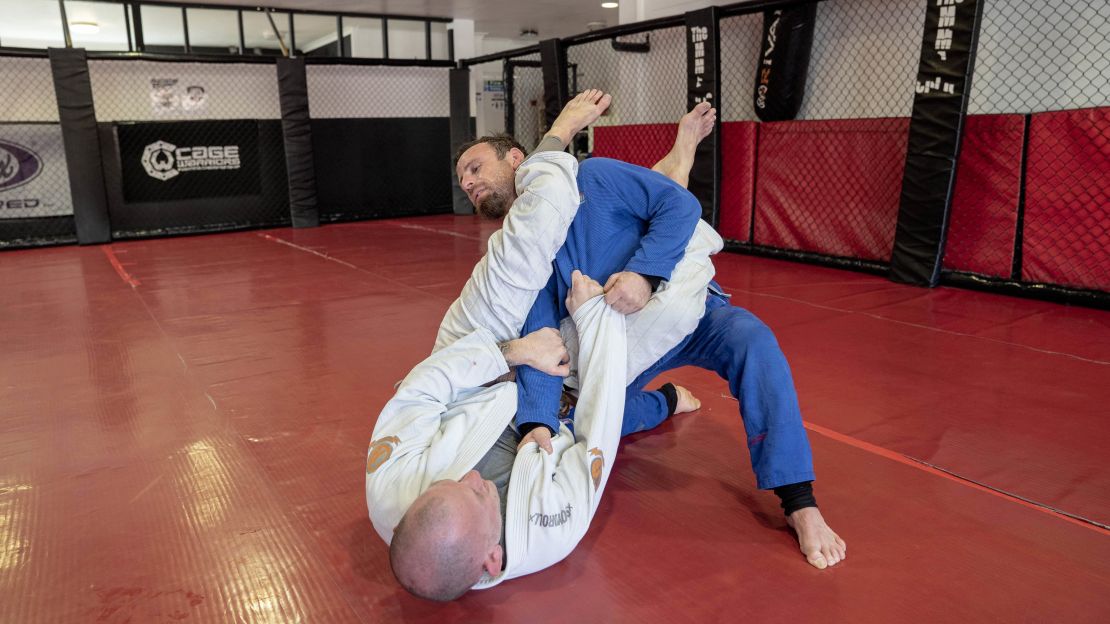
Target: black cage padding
x: 77, y: 116
x: 387, y: 167
x: 936, y: 125
x: 297, y: 128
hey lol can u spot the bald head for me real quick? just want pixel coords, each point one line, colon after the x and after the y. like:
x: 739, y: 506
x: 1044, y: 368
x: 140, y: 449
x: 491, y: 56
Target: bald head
x: 448, y: 538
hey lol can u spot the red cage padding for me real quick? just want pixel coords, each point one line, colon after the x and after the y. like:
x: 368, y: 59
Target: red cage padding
x: 983, y: 223
x: 1067, y: 199
x: 830, y: 187
x: 738, y: 141
x: 640, y: 144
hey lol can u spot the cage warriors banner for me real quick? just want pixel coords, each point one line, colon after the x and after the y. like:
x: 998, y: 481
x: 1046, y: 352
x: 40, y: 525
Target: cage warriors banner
x: 936, y: 124
x: 188, y: 160
x: 33, y: 177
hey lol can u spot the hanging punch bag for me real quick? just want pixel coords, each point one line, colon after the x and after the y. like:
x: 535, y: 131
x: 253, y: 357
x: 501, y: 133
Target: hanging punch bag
x: 780, y: 78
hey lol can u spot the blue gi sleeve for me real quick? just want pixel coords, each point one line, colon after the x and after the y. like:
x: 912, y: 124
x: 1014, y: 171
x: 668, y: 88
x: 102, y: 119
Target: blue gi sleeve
x: 670, y: 211
x: 538, y: 394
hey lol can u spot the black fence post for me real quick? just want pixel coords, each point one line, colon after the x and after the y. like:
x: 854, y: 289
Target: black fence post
x: 553, y: 58
x: 77, y: 117
x: 297, y: 130
x: 461, y: 132
x: 936, y: 128
x: 703, y: 71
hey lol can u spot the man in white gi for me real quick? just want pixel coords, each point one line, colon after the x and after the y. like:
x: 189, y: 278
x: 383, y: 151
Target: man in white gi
x: 442, y: 519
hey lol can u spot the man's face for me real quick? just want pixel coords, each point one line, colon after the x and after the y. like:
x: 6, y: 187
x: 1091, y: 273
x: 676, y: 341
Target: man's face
x: 488, y: 180
x: 476, y: 502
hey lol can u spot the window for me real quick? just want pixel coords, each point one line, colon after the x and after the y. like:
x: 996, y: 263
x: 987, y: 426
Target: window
x: 315, y: 34
x: 259, y: 33
x: 97, y: 25
x: 362, y: 37
x: 213, y: 31
x: 406, y: 39
x: 163, y: 29
x: 30, y: 24
x: 440, y: 51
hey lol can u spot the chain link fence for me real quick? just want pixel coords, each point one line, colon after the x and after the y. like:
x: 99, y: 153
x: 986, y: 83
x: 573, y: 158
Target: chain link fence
x: 36, y: 207
x: 829, y: 181
x: 646, y: 75
x: 525, y: 109
x: 190, y: 146
x: 1032, y: 202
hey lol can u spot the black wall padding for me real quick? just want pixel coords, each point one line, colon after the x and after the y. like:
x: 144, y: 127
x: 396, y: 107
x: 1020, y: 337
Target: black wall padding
x: 936, y: 125
x: 780, y: 77
x: 82, y: 148
x: 387, y: 167
x: 269, y: 207
x: 703, y: 76
x: 293, y: 91
x: 461, y: 132
x: 553, y: 59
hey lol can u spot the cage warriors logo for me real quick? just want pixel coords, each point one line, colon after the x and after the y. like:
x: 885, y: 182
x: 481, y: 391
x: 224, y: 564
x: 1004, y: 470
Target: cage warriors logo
x: 18, y: 165
x: 164, y: 160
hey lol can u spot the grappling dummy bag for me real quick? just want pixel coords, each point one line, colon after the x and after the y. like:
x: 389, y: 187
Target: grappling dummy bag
x: 780, y: 78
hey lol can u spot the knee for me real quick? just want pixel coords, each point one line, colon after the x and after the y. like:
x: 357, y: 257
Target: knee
x: 750, y: 337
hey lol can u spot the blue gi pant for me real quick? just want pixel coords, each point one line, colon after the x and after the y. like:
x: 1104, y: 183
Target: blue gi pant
x: 741, y: 349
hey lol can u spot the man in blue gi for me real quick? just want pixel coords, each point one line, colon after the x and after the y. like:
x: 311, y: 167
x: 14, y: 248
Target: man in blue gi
x: 630, y: 231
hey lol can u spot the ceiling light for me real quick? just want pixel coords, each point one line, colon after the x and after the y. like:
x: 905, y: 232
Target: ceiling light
x: 610, y: 5
x: 84, y: 28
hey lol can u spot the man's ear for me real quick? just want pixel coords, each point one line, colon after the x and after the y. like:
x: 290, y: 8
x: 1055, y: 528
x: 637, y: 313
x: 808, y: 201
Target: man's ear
x: 515, y: 157
x: 492, y: 563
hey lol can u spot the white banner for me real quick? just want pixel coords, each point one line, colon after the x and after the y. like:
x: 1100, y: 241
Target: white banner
x: 33, y: 177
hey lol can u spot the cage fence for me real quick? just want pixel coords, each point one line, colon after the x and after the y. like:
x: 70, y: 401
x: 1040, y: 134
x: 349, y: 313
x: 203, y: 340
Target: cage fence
x: 36, y: 207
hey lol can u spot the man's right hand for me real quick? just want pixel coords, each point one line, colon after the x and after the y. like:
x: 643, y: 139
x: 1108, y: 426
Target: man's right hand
x: 542, y: 349
x: 540, y: 435
x: 580, y: 112
x: 582, y: 289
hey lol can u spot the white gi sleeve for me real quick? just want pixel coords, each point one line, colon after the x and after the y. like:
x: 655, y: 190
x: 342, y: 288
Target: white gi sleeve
x: 437, y: 426
x: 517, y: 264
x: 552, y: 498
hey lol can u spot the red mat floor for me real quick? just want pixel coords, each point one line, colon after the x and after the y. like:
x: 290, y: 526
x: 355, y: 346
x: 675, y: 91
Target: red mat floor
x: 183, y: 429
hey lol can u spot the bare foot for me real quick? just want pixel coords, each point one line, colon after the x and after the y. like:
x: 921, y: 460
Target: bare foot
x: 816, y: 540
x: 581, y: 111
x: 687, y: 402
x: 692, y: 128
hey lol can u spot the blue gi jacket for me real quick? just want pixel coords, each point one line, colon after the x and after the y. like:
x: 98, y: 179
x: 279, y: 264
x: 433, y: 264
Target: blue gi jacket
x: 630, y: 219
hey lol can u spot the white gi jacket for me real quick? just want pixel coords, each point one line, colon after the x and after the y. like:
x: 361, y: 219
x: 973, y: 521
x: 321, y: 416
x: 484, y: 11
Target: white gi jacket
x: 440, y: 424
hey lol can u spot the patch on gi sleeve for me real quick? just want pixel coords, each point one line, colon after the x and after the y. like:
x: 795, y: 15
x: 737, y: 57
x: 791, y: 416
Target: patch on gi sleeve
x: 380, y: 451
x: 597, y: 464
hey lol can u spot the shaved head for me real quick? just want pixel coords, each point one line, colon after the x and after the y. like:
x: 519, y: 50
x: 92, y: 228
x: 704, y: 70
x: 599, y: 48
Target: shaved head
x: 448, y: 538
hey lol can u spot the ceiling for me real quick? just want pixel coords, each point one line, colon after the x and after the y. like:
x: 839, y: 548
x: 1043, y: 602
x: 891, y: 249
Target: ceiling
x: 496, y: 18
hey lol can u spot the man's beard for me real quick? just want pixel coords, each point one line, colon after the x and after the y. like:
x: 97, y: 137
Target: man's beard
x: 495, y: 204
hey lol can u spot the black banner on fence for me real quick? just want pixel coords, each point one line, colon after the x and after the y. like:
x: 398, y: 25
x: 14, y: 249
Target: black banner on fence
x: 780, y: 78
x: 936, y: 125
x: 703, y: 75
x: 188, y: 160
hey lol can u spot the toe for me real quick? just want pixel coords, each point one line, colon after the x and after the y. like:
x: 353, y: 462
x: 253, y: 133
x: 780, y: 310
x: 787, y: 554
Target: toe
x: 818, y: 561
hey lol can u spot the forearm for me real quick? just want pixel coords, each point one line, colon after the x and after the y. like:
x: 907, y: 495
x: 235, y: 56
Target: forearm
x: 550, y: 143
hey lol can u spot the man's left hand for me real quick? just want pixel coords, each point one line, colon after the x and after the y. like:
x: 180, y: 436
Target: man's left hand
x: 627, y: 292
